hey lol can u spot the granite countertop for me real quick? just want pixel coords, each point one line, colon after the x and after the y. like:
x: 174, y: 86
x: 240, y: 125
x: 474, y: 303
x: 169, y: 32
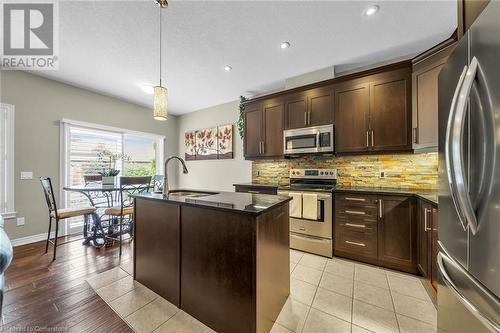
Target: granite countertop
x: 244, y: 203
x: 428, y: 195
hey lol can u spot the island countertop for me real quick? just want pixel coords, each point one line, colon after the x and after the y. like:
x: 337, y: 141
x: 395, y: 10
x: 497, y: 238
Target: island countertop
x: 244, y: 203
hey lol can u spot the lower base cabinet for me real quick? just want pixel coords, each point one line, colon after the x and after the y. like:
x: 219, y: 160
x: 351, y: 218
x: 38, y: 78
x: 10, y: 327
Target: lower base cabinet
x: 427, y: 242
x: 377, y: 229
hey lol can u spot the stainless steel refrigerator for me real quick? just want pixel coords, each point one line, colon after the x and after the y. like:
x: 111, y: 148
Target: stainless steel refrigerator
x: 469, y: 181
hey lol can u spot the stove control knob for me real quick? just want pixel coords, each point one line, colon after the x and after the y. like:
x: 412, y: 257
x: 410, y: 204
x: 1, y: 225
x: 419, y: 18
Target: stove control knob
x: 331, y: 172
x: 321, y: 173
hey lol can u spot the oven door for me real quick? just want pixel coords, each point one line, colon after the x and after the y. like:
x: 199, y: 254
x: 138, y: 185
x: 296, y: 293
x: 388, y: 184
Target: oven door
x: 319, y: 227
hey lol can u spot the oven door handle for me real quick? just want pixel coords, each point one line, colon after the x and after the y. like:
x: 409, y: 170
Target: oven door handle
x: 318, y: 144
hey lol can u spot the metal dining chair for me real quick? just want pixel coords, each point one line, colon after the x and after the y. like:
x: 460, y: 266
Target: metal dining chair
x: 157, y: 183
x: 61, y: 214
x: 128, y: 186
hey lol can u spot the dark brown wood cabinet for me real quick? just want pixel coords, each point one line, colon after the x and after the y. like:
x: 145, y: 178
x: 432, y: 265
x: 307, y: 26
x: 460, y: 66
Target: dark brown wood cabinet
x: 467, y: 13
x: 272, y: 144
x: 397, y: 237
x: 312, y: 107
x: 253, y: 130
x: 373, y: 114
x: 426, y: 69
x: 427, y: 241
x: 390, y: 113
x: 264, y: 129
x: 352, y: 111
x: 378, y: 229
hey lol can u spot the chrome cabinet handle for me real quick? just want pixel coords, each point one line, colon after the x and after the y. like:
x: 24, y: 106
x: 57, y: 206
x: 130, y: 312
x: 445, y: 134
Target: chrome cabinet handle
x: 355, y: 243
x: 263, y: 147
x: 355, y: 225
x: 372, y: 140
x: 488, y: 299
x: 305, y: 118
x: 454, y: 153
x: 355, y: 212
x: 367, y: 139
x: 355, y: 199
x: 426, y: 213
x: 309, y: 118
x: 380, y: 208
x: 254, y: 192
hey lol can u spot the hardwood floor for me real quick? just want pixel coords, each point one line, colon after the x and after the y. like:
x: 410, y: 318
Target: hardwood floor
x: 53, y: 296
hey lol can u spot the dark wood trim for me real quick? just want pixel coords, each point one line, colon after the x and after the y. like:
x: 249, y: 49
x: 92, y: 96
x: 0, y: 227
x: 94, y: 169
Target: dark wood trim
x: 435, y: 49
x: 371, y: 71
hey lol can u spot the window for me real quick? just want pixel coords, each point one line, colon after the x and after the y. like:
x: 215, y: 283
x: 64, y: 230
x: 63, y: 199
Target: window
x: 81, y: 143
x: 7, y: 160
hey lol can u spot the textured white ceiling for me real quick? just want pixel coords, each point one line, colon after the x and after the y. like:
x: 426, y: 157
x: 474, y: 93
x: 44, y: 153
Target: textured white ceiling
x: 112, y: 47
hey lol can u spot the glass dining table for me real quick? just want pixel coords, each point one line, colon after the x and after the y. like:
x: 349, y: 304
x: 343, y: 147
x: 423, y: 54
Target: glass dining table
x: 101, y: 196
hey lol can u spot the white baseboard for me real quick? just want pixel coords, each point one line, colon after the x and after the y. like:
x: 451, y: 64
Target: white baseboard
x: 33, y: 239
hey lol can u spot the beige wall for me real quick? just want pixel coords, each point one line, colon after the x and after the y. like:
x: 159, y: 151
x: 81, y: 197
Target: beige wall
x: 214, y: 174
x: 39, y: 105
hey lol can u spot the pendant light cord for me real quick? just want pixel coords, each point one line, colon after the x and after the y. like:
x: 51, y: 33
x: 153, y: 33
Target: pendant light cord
x: 160, y: 46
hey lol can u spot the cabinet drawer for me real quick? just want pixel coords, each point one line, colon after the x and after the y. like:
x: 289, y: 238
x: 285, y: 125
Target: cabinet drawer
x: 356, y: 213
x: 356, y: 226
x: 362, y: 243
x: 356, y: 200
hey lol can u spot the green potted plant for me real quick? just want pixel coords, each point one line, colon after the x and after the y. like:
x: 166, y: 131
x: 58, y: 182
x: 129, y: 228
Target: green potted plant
x: 108, y: 159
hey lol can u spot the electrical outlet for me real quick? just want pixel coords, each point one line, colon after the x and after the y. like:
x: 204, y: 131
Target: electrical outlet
x: 382, y: 174
x: 258, y: 173
x: 26, y: 175
x: 20, y: 221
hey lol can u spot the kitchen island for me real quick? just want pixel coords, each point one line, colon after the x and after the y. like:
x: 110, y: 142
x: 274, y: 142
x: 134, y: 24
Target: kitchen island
x: 221, y: 257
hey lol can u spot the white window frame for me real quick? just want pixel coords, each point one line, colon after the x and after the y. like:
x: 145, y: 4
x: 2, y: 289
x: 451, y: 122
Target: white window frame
x: 64, y: 147
x: 9, y: 138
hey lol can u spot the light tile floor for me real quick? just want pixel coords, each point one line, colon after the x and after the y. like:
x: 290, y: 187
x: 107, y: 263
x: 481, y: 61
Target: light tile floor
x: 326, y: 295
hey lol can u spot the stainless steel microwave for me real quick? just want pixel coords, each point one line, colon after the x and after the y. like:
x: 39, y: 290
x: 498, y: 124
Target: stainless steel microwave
x: 309, y: 140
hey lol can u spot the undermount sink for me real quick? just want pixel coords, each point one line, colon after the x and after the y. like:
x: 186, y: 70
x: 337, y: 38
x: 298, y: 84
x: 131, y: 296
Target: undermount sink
x: 190, y: 194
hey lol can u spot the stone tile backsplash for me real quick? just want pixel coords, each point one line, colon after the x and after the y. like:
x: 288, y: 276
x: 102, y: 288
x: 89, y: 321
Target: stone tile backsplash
x: 417, y: 171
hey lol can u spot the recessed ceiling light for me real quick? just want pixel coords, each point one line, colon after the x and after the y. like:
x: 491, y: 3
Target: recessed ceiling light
x: 371, y: 10
x: 227, y: 68
x: 285, y: 45
x: 148, y: 89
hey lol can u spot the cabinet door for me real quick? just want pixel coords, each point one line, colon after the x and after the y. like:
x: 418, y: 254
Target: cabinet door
x: 253, y: 130
x: 320, y: 108
x: 423, y: 241
x: 273, y: 128
x: 434, y: 247
x: 296, y: 111
x: 390, y: 117
x: 352, y: 105
x: 397, y: 237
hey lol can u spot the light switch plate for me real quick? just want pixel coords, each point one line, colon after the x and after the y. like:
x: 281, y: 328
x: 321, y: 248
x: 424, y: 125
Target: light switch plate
x: 20, y: 221
x: 26, y: 175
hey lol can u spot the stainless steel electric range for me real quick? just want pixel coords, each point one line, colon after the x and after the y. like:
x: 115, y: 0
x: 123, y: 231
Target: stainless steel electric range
x: 311, y: 217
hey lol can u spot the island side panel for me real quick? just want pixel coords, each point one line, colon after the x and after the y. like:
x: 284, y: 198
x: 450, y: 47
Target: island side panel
x: 218, y: 268
x: 273, y: 265
x: 157, y: 248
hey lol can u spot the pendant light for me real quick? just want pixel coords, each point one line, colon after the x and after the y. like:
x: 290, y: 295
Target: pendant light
x: 160, y: 93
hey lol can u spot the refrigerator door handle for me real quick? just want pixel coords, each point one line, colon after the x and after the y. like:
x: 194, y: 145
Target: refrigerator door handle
x: 448, y: 140
x: 458, y: 165
x: 490, y: 304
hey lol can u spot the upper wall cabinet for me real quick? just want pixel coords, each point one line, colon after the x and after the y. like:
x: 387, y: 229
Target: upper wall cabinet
x: 352, y: 112
x: 373, y: 114
x: 312, y: 107
x: 425, y: 96
x: 264, y: 129
x: 467, y: 12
